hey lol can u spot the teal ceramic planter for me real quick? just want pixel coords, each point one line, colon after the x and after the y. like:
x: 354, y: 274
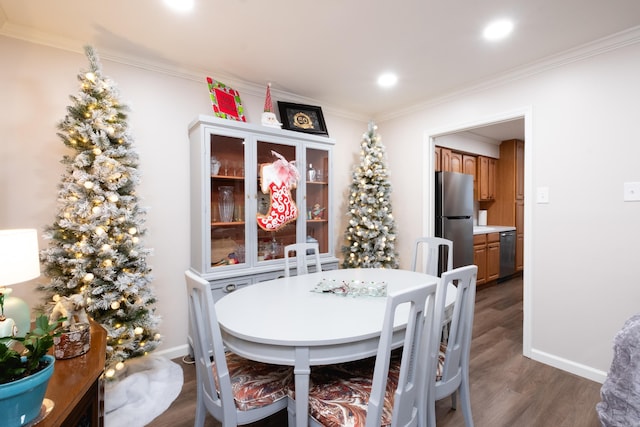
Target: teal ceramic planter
x: 20, y: 401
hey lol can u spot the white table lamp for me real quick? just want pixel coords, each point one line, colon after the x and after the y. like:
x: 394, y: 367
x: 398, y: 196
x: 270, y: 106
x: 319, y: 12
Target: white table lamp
x: 19, y: 262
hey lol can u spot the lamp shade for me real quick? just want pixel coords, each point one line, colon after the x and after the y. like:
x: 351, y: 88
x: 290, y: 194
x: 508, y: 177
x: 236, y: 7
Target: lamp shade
x: 19, y: 259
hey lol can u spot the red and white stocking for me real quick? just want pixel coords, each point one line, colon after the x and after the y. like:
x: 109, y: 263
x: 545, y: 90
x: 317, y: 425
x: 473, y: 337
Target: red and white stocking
x: 278, y: 178
x: 282, y: 208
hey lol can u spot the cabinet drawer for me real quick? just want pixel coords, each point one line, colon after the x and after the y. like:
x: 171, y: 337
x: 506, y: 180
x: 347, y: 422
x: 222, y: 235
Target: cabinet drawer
x: 223, y: 287
x: 493, y: 237
x: 480, y: 239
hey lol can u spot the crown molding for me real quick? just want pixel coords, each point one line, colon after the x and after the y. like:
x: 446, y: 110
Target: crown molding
x: 588, y: 50
x: 585, y: 51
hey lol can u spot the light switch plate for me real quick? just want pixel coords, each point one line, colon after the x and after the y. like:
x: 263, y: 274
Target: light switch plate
x: 632, y: 191
x: 542, y: 195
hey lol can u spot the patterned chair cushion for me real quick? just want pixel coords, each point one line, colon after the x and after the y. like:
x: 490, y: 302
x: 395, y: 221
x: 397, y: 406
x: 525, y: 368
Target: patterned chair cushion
x: 256, y: 384
x: 339, y: 394
x: 441, y: 353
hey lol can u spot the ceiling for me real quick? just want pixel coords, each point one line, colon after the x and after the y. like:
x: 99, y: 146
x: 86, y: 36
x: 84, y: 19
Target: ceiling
x: 328, y: 52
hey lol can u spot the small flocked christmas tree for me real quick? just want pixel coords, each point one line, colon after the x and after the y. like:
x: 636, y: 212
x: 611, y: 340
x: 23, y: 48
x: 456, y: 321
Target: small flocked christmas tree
x: 96, y: 240
x: 371, y: 232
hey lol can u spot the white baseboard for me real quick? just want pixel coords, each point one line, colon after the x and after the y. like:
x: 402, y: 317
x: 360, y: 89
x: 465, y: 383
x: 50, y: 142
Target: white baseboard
x: 173, y: 352
x: 569, y: 366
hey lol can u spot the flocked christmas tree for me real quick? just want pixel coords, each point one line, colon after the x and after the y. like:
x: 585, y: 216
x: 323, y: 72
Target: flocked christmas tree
x: 96, y: 245
x: 371, y: 231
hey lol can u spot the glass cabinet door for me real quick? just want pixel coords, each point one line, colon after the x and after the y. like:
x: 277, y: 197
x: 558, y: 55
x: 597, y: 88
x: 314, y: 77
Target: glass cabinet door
x: 273, y: 200
x: 227, y: 200
x: 317, y: 197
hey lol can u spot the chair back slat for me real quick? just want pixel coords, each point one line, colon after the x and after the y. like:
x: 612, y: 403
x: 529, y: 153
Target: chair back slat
x: 304, y: 252
x: 459, y: 340
x: 209, y: 349
x: 436, y: 255
x: 455, y: 369
x: 426, y: 305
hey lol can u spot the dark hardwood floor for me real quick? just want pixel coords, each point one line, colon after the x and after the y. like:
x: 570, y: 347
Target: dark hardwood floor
x: 507, y: 389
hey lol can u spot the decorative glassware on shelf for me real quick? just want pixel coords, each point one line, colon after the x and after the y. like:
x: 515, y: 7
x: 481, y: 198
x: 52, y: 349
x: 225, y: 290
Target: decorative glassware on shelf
x: 225, y: 203
x: 215, y: 165
x: 311, y: 172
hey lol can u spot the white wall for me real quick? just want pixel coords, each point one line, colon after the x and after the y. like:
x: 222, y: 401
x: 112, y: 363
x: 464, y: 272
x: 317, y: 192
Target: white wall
x: 469, y: 143
x: 35, y: 90
x: 581, y: 249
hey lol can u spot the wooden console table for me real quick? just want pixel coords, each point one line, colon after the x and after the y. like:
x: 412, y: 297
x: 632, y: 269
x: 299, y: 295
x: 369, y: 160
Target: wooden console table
x: 76, y: 386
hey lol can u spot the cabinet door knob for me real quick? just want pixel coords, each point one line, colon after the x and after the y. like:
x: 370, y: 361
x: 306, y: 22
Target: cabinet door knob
x: 230, y: 287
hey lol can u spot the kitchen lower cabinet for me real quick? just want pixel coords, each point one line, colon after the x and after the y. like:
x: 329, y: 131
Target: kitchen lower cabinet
x: 480, y: 257
x: 519, y: 235
x: 493, y: 256
x: 486, y: 255
x: 508, y: 208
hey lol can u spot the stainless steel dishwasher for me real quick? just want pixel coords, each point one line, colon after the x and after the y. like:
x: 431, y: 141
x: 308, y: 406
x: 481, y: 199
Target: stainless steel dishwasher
x: 507, y: 254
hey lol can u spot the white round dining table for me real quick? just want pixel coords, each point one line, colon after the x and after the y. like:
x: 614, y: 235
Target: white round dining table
x: 285, y: 322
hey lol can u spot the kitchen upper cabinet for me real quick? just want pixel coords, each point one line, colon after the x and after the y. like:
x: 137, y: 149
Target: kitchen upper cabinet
x: 445, y: 159
x: 519, y: 172
x: 469, y: 165
x: 486, y: 178
x: 437, y: 156
x: 448, y: 160
x: 455, y: 162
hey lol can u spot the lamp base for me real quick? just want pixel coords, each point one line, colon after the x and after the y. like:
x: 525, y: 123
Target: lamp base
x: 8, y: 328
x: 18, y: 310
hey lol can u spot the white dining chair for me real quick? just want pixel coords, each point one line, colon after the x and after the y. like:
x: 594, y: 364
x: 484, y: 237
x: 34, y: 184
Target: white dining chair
x: 234, y: 390
x: 432, y: 248
x: 303, y: 251
x: 452, y: 373
x: 390, y: 388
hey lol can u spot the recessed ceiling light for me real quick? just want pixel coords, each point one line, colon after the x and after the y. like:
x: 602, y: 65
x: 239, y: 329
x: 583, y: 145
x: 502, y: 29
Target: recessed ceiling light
x: 387, y: 80
x: 497, y: 30
x: 180, y: 5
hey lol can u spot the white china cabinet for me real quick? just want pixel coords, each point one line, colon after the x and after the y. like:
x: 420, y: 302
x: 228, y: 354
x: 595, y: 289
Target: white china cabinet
x: 228, y: 248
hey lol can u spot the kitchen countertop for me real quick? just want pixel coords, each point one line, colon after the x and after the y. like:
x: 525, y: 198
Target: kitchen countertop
x: 485, y: 229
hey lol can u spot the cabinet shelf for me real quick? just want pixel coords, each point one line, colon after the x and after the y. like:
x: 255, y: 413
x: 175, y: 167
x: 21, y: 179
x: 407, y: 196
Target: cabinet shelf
x: 229, y: 177
x: 317, y: 182
x: 227, y: 224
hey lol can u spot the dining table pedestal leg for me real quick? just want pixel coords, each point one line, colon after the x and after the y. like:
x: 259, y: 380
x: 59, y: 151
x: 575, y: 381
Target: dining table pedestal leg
x: 302, y: 370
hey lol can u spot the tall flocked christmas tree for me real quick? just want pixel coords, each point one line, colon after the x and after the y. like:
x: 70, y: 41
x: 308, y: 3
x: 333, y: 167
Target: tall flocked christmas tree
x: 96, y: 245
x: 371, y: 231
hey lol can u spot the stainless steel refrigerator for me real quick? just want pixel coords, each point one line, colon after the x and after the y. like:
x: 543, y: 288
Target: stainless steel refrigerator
x: 454, y: 215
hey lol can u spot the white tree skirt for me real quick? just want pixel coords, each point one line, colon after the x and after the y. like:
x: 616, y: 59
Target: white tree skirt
x: 146, y: 390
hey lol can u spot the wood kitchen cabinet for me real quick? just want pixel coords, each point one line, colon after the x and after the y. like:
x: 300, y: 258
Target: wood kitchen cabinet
x: 437, y: 159
x: 486, y: 178
x: 448, y: 160
x: 444, y: 159
x: 455, y: 162
x: 519, y: 235
x: 469, y: 165
x: 480, y: 257
x: 508, y: 209
x: 486, y: 255
x: 493, y: 256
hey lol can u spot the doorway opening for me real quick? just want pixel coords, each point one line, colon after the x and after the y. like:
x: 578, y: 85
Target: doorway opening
x: 483, y: 137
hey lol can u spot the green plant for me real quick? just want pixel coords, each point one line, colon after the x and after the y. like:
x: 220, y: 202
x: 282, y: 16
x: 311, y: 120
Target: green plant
x: 16, y: 362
